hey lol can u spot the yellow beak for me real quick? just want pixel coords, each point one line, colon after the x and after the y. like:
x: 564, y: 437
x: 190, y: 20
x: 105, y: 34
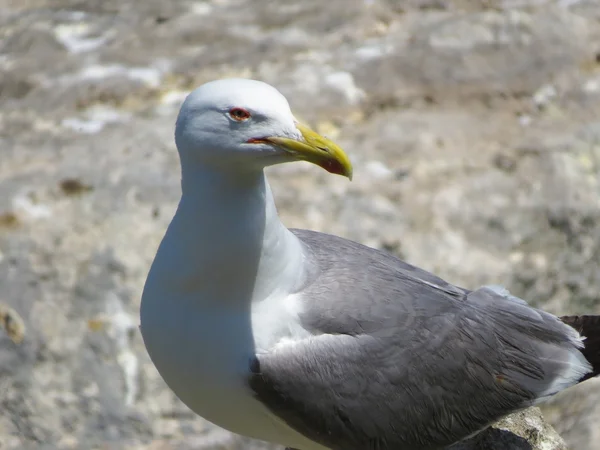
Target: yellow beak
x: 316, y: 149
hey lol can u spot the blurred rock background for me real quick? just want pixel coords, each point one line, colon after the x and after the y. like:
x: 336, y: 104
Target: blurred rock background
x: 474, y: 127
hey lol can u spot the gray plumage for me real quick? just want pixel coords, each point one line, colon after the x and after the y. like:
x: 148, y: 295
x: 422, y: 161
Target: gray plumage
x: 402, y: 359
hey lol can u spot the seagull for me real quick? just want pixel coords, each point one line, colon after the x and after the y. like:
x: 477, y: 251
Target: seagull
x: 315, y: 342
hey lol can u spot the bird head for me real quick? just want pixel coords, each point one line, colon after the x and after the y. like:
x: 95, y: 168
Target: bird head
x: 241, y: 123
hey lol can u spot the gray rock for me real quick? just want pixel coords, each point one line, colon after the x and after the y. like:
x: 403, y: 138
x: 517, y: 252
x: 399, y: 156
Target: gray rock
x: 525, y: 430
x: 473, y: 127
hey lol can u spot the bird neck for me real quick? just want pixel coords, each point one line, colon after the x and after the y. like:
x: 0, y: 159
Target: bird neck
x: 227, y: 241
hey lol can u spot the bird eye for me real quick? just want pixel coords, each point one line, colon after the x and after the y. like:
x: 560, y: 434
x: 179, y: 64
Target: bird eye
x: 239, y: 114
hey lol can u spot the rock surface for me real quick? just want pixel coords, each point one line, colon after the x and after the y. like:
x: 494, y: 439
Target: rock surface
x: 474, y: 128
x: 525, y: 430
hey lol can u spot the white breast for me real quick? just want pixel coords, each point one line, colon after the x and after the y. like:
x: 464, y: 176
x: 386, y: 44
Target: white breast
x: 203, y: 354
x: 276, y: 322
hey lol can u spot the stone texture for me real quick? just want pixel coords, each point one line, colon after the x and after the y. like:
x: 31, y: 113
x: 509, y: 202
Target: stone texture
x: 525, y: 430
x: 473, y: 126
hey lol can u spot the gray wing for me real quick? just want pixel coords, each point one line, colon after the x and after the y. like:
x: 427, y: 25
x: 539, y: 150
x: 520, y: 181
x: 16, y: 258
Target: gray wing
x: 400, y: 359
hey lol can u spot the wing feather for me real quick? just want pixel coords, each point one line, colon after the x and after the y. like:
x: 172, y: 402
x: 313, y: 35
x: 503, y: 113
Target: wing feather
x: 402, y: 359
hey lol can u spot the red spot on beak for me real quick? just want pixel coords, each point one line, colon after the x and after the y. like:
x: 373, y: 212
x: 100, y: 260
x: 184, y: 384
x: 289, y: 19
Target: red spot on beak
x: 333, y: 166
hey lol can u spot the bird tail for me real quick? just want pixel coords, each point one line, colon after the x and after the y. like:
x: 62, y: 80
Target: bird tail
x: 589, y: 328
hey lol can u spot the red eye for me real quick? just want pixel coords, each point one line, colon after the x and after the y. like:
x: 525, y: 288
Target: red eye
x: 239, y: 114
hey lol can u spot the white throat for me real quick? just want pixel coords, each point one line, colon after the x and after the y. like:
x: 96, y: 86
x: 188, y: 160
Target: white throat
x: 227, y: 241
x: 218, y: 293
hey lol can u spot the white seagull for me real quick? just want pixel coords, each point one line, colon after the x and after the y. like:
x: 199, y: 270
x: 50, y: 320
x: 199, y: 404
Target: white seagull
x: 315, y: 342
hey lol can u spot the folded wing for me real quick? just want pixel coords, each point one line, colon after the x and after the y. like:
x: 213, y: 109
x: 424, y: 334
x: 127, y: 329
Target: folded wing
x: 402, y: 359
